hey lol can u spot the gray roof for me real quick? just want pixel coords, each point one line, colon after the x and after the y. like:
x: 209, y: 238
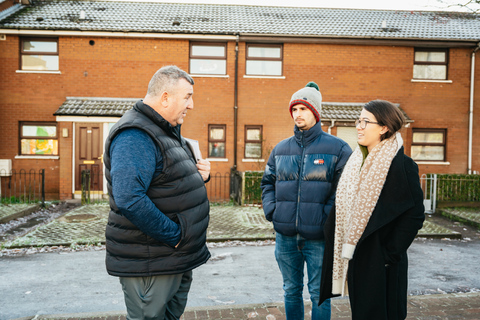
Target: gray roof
x: 214, y: 19
x: 99, y: 107
x: 116, y: 107
x: 344, y: 111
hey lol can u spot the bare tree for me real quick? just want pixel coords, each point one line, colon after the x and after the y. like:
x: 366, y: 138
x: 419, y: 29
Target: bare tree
x: 468, y: 5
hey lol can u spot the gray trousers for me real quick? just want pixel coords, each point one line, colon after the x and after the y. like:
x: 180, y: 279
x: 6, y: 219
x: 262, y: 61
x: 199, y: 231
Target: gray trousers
x: 158, y: 297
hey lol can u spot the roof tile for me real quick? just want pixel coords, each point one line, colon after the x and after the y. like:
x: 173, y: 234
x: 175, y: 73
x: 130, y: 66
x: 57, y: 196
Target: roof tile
x: 232, y: 19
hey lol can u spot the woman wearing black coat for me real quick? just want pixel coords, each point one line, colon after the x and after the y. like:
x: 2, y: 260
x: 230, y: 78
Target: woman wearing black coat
x: 378, y: 212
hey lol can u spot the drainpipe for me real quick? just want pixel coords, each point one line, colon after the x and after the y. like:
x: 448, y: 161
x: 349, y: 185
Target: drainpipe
x: 235, y: 109
x: 470, y: 114
x: 331, y: 126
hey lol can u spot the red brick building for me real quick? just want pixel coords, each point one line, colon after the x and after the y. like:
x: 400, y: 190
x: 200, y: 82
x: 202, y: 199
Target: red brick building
x: 69, y: 70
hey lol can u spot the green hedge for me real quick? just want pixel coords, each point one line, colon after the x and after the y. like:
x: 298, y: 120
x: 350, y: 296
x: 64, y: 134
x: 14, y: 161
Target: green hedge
x: 253, y: 193
x: 458, y: 187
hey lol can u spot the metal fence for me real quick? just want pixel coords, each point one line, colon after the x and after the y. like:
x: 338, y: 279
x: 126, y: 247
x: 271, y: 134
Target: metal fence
x: 458, y: 188
x: 246, y: 187
x: 218, y: 188
x: 22, y: 186
x: 91, y: 186
x: 429, y: 187
x: 449, y: 188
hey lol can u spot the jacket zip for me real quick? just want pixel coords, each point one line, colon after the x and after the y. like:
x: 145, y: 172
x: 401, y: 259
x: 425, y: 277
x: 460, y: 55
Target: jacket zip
x: 299, y: 180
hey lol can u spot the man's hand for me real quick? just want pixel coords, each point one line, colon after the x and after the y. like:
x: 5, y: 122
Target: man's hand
x: 203, y: 167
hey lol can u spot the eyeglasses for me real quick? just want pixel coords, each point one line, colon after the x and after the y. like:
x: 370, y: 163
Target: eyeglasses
x: 363, y: 123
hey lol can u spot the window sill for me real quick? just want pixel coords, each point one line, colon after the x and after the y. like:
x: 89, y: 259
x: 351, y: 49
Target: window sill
x: 432, y: 81
x: 210, y: 76
x: 253, y: 160
x: 38, y: 157
x: 264, y: 77
x: 217, y: 159
x: 34, y: 71
x: 441, y: 163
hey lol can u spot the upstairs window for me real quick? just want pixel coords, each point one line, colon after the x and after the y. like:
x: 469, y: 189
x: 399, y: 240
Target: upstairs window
x: 208, y: 58
x: 264, y: 60
x: 216, y: 140
x: 38, y: 138
x: 39, y: 54
x: 428, y: 144
x: 430, y: 64
x: 253, y: 142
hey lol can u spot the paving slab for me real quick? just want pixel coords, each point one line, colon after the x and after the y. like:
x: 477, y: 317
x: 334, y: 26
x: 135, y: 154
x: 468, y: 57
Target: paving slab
x: 464, y: 306
x: 86, y: 225
x: 470, y: 216
x: 82, y: 225
x: 13, y: 211
x: 433, y: 230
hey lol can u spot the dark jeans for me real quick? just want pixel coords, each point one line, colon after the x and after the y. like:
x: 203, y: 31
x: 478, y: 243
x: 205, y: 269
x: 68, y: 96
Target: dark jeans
x: 292, y: 253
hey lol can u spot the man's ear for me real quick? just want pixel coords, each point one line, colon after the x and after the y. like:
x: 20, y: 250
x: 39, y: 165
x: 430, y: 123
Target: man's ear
x: 164, y: 99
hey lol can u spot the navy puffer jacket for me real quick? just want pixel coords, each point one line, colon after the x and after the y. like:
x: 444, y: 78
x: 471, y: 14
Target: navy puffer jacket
x: 300, y: 179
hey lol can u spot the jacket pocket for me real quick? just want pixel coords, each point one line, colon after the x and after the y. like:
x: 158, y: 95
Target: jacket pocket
x: 183, y: 227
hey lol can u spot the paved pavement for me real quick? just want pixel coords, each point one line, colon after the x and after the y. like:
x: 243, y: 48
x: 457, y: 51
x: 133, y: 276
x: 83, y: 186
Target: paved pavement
x: 444, y: 307
x: 85, y: 225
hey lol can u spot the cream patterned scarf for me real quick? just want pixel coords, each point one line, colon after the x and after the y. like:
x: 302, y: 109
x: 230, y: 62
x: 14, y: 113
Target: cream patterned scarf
x: 357, y: 195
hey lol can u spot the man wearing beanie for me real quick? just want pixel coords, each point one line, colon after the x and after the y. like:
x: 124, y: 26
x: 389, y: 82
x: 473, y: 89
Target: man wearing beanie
x: 298, y: 191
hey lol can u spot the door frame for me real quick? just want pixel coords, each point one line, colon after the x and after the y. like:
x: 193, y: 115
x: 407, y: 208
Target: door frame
x: 105, y: 121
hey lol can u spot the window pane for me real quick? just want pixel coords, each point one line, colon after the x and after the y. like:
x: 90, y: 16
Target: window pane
x: 39, y: 62
x: 39, y: 131
x: 430, y: 56
x: 40, y: 46
x: 253, y: 134
x: 253, y: 150
x: 216, y: 149
x: 34, y: 146
x: 208, y: 51
x: 427, y: 153
x: 266, y: 52
x: 205, y: 66
x: 429, y: 72
x: 270, y: 68
x: 217, y: 134
x: 428, y: 137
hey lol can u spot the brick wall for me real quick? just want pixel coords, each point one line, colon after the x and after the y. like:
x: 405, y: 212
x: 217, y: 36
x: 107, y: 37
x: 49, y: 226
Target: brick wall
x: 122, y: 67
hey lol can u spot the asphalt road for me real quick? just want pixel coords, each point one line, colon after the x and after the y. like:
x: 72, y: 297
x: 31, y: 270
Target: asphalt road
x: 53, y: 283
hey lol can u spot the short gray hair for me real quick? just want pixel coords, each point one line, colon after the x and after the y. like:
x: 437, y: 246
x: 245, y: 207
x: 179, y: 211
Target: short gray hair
x: 165, y: 78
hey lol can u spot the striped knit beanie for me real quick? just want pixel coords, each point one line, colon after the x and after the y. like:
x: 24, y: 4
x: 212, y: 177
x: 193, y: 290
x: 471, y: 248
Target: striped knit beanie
x: 310, y: 97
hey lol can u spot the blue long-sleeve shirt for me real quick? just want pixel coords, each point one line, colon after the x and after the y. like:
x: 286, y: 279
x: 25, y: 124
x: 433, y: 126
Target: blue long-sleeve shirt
x: 135, y: 161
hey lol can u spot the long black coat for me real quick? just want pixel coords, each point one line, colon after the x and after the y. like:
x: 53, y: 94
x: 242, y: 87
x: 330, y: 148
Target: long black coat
x: 377, y: 273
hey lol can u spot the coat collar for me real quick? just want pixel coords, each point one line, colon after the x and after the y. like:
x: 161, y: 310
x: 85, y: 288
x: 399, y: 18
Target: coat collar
x: 158, y: 119
x: 394, y: 199
x: 304, y: 138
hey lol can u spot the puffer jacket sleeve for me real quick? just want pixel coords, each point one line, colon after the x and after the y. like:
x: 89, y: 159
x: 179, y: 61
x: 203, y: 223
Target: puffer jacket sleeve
x: 343, y: 156
x: 268, y: 187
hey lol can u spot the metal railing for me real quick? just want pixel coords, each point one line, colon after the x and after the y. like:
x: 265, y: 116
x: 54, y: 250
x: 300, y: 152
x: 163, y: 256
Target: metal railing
x: 22, y: 186
x: 246, y: 187
x: 91, y: 182
x: 429, y: 187
x: 218, y: 188
x: 449, y: 188
x: 459, y: 188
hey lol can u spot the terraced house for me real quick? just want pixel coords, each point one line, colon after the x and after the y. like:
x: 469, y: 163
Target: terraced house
x: 70, y: 69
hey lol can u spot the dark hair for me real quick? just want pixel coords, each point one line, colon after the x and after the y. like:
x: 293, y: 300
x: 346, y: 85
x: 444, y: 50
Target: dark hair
x: 387, y: 114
